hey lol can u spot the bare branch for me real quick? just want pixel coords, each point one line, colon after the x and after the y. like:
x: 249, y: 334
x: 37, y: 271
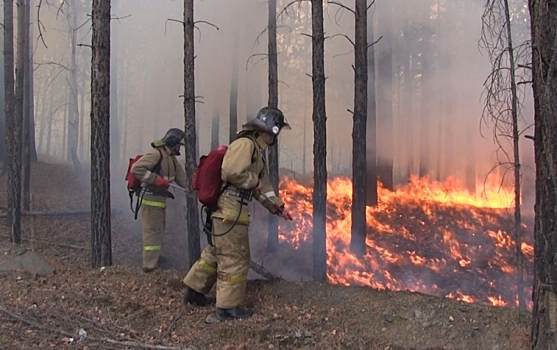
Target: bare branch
x: 172, y: 20
x: 375, y: 42
x: 254, y: 55
x: 343, y: 35
x: 341, y: 5
x: 208, y: 23
x: 370, y: 5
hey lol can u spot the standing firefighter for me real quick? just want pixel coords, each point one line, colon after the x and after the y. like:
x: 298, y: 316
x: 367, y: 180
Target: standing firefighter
x: 244, y: 175
x: 156, y: 170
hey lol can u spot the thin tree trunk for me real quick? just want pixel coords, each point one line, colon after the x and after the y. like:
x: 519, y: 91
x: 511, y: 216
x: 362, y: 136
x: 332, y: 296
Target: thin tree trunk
x: 3, y: 153
x: 385, y: 137
x: 358, y: 236
x: 73, y: 103
x: 319, y: 144
x: 273, y: 157
x: 114, y: 117
x: 32, y: 143
x: 516, y: 165
x: 13, y: 127
x: 371, y: 126
x: 234, y: 99
x: 15, y: 201
x: 101, y: 240
x: 192, y: 216
x: 27, y: 110
x: 425, y: 97
x: 215, y: 123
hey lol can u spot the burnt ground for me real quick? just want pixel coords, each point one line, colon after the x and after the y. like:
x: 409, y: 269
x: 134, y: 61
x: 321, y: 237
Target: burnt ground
x: 75, y: 307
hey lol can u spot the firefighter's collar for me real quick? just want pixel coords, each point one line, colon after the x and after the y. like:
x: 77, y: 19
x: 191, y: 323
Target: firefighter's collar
x: 260, y: 141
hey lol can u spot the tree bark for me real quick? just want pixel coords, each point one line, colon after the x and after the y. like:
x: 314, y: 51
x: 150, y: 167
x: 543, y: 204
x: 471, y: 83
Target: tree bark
x: 101, y: 245
x: 544, y: 64
x: 27, y: 108
x: 114, y: 117
x: 192, y: 214
x: 15, y: 169
x: 371, y: 125
x: 272, y: 155
x: 13, y: 128
x: 215, y: 124
x: 384, y: 82
x: 3, y: 153
x: 234, y: 99
x: 73, y: 127
x: 358, y: 237
x: 319, y: 144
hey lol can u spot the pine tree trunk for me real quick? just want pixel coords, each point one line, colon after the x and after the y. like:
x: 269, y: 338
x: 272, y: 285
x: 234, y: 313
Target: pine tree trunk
x: 114, y: 117
x: 215, y: 123
x: 234, y: 100
x: 101, y: 240
x: 371, y: 126
x: 3, y: 155
x: 32, y: 144
x: 192, y: 216
x: 385, y: 138
x: 544, y: 64
x: 15, y: 170
x: 358, y: 237
x: 272, y: 155
x: 319, y: 143
x: 13, y: 128
x: 27, y: 112
x: 425, y: 96
x: 73, y: 131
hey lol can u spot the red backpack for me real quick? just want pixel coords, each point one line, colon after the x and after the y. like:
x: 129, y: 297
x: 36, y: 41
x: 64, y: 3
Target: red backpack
x: 134, y: 184
x: 207, y: 177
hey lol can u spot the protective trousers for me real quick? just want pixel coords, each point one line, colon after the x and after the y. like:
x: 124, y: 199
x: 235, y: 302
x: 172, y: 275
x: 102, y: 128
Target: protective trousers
x: 154, y: 223
x: 227, y: 264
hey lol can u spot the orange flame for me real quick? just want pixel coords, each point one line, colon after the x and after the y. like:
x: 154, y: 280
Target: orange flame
x: 427, y: 237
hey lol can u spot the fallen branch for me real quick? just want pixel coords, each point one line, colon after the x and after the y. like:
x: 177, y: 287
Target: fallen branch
x: 46, y: 242
x: 263, y: 271
x: 132, y: 344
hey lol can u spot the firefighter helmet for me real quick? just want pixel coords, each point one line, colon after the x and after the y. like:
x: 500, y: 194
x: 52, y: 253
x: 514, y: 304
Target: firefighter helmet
x: 174, y: 137
x: 270, y: 120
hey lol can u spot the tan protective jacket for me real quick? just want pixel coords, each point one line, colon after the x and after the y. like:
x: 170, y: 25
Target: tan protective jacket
x: 243, y: 167
x: 144, y: 168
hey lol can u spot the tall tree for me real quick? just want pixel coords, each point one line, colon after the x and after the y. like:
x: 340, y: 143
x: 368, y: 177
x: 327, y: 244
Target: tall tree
x: 215, y: 123
x: 503, y: 107
x: 114, y: 117
x: 192, y: 215
x: 27, y: 108
x: 234, y: 97
x: 73, y: 107
x: 101, y: 240
x: 3, y: 155
x: 384, y: 91
x: 13, y: 128
x: 371, y: 125
x: 543, y: 15
x: 359, y: 127
x: 15, y: 170
x: 319, y: 144
x: 272, y: 155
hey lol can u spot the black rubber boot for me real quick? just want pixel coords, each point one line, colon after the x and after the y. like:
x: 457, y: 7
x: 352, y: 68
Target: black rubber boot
x: 194, y: 297
x: 235, y: 312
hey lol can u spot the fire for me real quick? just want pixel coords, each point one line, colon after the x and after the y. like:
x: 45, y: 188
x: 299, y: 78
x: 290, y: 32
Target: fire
x: 429, y: 237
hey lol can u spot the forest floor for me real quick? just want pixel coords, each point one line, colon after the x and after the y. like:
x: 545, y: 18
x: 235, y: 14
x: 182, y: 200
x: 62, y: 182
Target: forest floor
x: 50, y: 298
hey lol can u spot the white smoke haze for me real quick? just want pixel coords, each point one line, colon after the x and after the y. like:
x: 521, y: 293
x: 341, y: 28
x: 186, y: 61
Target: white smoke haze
x: 148, y: 54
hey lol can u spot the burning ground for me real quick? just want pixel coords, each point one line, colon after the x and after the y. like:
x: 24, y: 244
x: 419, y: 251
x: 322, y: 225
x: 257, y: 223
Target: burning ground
x: 437, y: 247
x: 429, y: 237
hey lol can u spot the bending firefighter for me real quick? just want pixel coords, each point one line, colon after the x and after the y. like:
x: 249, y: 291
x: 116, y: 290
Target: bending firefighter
x: 156, y: 170
x: 244, y: 175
